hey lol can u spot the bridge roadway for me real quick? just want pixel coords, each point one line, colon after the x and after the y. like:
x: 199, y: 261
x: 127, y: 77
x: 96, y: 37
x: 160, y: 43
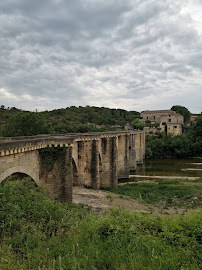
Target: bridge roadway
x: 61, y: 161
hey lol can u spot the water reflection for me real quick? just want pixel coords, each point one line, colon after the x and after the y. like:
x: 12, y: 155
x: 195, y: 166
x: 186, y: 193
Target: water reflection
x: 171, y: 167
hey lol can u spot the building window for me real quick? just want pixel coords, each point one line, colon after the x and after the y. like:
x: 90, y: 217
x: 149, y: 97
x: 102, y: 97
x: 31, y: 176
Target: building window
x: 169, y: 120
x: 175, y: 126
x: 164, y: 124
x: 147, y: 117
x: 154, y: 117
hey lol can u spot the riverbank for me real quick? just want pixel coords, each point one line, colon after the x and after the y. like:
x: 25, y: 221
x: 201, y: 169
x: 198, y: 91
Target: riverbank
x: 100, y: 201
x: 161, y: 177
x: 40, y: 233
x: 164, y: 193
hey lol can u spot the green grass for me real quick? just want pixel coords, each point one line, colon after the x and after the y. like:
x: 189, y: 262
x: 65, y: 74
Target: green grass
x: 170, y: 192
x: 38, y: 233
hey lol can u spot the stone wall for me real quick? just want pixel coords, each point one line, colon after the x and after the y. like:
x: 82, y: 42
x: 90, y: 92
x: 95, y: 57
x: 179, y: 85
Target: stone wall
x: 61, y: 161
x: 168, y: 120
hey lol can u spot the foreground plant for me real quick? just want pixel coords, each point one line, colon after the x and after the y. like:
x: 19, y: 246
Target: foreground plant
x: 38, y: 233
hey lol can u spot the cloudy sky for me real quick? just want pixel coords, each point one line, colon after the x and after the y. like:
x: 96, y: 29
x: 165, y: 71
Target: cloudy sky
x: 130, y: 54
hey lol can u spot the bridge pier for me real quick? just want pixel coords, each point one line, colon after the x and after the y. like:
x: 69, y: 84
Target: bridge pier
x: 123, y: 156
x: 88, y: 164
x: 132, y: 153
x: 140, y: 147
x: 109, y: 152
x: 56, y: 172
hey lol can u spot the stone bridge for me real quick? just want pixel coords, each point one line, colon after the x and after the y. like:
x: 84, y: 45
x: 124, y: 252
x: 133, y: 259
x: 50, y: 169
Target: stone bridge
x: 61, y: 161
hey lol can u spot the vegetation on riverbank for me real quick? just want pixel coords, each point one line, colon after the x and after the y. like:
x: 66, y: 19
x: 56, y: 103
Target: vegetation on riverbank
x: 38, y: 233
x: 181, y: 146
x: 167, y: 193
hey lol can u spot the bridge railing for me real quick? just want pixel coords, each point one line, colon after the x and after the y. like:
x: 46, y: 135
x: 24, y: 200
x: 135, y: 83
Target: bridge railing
x: 41, y: 136
x: 13, y: 145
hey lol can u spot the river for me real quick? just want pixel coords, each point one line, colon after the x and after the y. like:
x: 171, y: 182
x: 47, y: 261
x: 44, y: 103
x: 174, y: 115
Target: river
x: 191, y: 167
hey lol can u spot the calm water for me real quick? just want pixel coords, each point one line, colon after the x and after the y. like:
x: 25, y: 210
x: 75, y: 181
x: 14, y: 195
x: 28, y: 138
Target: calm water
x: 171, y: 167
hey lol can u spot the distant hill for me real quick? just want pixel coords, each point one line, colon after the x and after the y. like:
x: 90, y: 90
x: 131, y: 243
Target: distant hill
x: 79, y: 119
x: 6, y: 114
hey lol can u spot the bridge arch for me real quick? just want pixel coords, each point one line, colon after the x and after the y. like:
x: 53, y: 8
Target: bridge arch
x: 20, y: 169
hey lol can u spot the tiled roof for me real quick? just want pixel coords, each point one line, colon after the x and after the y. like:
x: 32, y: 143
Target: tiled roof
x: 160, y: 111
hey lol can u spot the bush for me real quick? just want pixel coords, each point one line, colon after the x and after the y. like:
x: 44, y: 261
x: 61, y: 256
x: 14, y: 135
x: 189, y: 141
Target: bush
x: 37, y: 233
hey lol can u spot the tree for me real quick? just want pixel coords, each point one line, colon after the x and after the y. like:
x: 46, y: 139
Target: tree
x: 196, y: 129
x: 137, y: 124
x: 26, y: 124
x: 183, y: 111
x: 181, y: 146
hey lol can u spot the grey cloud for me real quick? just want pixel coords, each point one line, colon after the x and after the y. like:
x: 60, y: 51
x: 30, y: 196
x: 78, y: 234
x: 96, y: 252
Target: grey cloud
x: 95, y: 52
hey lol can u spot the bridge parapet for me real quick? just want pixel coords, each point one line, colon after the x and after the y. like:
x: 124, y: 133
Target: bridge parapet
x: 14, y: 145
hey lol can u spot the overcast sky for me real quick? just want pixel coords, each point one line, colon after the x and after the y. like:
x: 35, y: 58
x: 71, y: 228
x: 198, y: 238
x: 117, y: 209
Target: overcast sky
x: 129, y: 54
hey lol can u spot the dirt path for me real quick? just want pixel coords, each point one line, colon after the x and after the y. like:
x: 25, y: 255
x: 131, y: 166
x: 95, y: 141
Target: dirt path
x: 100, y: 201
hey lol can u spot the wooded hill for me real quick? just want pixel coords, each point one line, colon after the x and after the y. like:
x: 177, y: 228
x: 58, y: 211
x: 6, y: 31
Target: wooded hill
x: 78, y: 119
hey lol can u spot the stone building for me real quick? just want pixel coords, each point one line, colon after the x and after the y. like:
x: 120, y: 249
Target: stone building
x: 169, y: 121
x: 193, y: 118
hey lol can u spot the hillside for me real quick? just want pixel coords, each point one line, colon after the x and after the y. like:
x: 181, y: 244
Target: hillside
x: 79, y: 119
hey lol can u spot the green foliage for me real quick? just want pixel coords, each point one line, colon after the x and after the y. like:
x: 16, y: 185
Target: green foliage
x: 181, y: 146
x: 196, y: 129
x: 156, y: 125
x: 147, y: 122
x: 79, y: 119
x: 50, y: 155
x: 6, y: 115
x: 137, y: 124
x: 26, y: 124
x: 183, y: 111
x: 148, y: 152
x: 37, y: 233
x: 88, y: 119
x: 167, y: 192
x: 168, y: 147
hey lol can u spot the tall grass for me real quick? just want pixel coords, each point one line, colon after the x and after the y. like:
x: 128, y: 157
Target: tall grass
x: 38, y: 233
